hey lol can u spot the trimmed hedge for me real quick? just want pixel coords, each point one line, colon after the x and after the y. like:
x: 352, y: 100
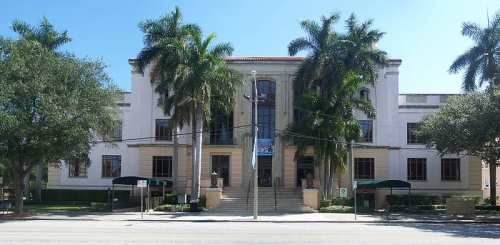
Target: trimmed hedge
x: 415, y: 200
x: 62, y: 195
x: 345, y: 209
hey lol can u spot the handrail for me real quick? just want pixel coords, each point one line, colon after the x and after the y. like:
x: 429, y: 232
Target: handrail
x: 248, y: 192
x: 275, y: 200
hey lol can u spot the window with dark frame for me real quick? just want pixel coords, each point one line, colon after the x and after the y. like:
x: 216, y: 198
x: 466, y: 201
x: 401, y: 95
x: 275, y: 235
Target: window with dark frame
x: 367, y: 130
x: 364, y: 168
x: 162, y: 132
x: 450, y: 168
x: 221, y: 128
x: 118, y: 134
x: 78, y: 169
x: 111, y: 166
x: 417, y: 168
x: 411, y: 138
x: 266, y: 109
x: 162, y: 166
x: 365, y: 94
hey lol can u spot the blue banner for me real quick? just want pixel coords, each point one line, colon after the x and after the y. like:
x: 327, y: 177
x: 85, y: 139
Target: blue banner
x: 265, y: 147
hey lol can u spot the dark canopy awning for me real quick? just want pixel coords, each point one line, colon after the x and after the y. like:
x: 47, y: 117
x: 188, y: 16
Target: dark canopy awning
x: 383, y: 184
x: 132, y: 180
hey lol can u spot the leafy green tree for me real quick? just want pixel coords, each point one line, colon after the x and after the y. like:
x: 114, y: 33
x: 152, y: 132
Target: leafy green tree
x: 162, y: 38
x: 337, y: 63
x: 480, y: 61
x: 467, y: 124
x: 53, y: 108
x: 51, y: 39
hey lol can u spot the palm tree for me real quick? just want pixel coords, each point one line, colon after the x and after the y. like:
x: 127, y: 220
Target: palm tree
x: 50, y: 39
x: 201, y: 77
x: 162, y: 37
x: 44, y: 34
x: 481, y: 60
x: 337, y: 64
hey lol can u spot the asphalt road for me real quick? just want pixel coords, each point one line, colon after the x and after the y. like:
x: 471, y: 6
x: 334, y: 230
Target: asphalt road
x: 164, y: 232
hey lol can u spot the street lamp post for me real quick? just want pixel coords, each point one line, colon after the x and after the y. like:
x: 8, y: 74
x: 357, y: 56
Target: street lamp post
x: 254, y: 156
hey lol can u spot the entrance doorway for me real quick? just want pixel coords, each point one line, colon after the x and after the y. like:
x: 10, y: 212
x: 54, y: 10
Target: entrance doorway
x: 265, y: 171
x: 304, y: 167
x: 220, y: 165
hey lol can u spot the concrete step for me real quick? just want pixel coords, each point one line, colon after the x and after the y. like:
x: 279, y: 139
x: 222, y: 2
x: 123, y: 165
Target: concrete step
x: 234, y: 199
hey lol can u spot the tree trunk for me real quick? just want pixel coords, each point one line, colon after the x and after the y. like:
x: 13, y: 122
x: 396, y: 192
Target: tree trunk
x: 39, y: 171
x: 325, y: 180
x: 321, y: 181
x: 175, y: 160
x: 199, y: 135
x: 193, y: 158
x: 19, y: 190
x: 493, y: 183
x: 27, y: 184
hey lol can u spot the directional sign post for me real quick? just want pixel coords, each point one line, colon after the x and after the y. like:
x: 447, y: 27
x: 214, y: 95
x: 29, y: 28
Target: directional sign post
x: 141, y: 184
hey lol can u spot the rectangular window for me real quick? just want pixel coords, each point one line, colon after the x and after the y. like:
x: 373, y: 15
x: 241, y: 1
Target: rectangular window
x: 162, y: 166
x: 162, y: 99
x: 118, y: 134
x: 411, y: 138
x: 417, y: 168
x: 364, y: 168
x: 162, y: 132
x: 221, y: 128
x: 367, y: 129
x: 486, y: 183
x: 78, y: 169
x: 450, y: 169
x: 111, y: 166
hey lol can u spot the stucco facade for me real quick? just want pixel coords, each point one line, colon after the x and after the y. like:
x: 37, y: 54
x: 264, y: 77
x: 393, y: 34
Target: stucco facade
x: 386, y: 151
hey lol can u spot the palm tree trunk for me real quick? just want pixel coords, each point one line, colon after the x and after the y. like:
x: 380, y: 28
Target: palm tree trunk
x: 199, y: 135
x: 193, y: 158
x: 175, y: 161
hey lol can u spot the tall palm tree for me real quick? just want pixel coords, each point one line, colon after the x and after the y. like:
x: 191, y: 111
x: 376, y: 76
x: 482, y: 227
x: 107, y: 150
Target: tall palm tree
x: 481, y: 60
x: 50, y: 39
x: 202, y: 77
x: 43, y: 34
x: 337, y: 64
x: 162, y: 38
x: 312, y: 71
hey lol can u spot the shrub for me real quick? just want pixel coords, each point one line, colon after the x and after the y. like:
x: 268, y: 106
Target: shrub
x: 171, y: 199
x: 325, y: 203
x: 415, y: 200
x: 62, y: 195
x: 202, y: 202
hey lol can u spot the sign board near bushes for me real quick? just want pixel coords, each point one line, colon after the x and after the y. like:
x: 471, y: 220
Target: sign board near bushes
x: 457, y: 206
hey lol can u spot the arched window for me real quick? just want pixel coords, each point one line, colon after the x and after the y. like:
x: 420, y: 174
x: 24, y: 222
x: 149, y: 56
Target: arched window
x: 364, y: 93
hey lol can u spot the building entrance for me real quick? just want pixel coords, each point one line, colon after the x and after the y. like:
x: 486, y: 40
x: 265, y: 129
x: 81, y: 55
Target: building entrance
x: 220, y: 165
x: 265, y: 171
x: 304, y: 167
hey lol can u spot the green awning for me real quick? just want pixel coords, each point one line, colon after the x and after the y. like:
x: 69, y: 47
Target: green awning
x: 383, y: 184
x: 132, y: 180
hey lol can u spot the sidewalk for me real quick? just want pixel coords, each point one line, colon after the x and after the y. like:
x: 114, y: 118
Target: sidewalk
x: 265, y: 217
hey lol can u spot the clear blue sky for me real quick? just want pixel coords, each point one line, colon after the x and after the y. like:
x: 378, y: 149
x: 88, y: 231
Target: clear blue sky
x: 425, y: 34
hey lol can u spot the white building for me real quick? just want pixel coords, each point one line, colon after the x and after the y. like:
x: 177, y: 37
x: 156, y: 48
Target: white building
x: 388, y: 150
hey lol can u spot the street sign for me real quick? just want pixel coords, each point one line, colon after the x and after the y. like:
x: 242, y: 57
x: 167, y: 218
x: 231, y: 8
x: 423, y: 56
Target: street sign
x: 142, y: 183
x: 354, y: 184
x: 343, y: 192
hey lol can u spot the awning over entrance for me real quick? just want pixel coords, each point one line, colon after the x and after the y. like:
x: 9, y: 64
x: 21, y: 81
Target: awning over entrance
x: 132, y: 180
x: 383, y: 184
